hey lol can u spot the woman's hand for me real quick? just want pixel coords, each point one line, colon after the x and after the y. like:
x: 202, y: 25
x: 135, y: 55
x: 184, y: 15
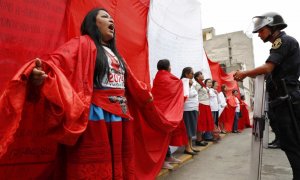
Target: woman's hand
x: 37, y: 75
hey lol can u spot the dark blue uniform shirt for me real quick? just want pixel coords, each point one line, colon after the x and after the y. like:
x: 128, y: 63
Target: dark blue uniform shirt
x: 285, y: 55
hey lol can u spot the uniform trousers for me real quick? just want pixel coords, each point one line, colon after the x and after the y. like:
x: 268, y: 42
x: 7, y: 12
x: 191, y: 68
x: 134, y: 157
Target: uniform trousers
x: 288, y: 136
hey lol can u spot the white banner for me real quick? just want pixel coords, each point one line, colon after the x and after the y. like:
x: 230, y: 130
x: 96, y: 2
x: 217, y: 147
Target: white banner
x: 175, y: 33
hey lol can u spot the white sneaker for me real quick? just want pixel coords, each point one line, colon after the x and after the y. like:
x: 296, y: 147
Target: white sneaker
x: 173, y: 160
x: 167, y: 165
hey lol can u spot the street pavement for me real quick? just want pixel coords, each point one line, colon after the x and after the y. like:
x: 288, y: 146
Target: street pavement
x: 229, y: 159
x: 275, y: 164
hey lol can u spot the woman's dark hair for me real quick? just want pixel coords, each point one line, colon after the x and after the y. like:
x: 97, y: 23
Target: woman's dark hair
x: 163, y: 64
x: 186, y: 70
x: 223, y: 89
x: 89, y: 27
x: 213, y: 83
x: 242, y: 97
x: 205, y: 81
x: 197, y: 74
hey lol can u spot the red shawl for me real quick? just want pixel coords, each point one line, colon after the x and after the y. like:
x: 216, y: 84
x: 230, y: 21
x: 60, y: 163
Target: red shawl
x: 33, y: 124
x: 166, y: 86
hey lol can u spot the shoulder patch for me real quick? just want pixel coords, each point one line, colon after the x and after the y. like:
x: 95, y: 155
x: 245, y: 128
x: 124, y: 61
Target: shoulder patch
x: 276, y: 44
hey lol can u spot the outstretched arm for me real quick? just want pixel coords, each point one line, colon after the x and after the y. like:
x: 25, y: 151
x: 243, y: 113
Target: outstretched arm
x: 263, y: 69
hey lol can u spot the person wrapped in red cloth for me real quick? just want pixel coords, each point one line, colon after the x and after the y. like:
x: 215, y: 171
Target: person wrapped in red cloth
x: 244, y: 121
x: 166, y: 86
x: 67, y: 116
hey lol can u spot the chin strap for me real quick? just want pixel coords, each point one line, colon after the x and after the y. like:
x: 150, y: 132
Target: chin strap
x: 269, y: 37
x: 272, y: 36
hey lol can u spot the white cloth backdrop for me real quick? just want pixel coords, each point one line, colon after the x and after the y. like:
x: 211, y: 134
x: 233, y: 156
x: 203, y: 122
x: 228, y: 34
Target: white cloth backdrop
x: 175, y: 33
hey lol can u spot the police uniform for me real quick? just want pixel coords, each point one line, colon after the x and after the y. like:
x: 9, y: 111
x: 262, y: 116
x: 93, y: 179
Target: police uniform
x: 285, y: 55
x: 271, y: 116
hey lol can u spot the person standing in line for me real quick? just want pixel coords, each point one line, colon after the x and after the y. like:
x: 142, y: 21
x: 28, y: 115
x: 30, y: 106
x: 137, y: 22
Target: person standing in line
x: 205, y: 120
x: 222, y: 106
x: 235, y: 93
x: 214, y: 105
x: 162, y: 78
x: 284, y: 65
x: 190, y: 114
x: 210, y: 125
x: 244, y: 121
x: 214, y: 101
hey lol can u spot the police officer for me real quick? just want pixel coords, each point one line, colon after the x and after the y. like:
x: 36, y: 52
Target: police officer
x: 283, y: 63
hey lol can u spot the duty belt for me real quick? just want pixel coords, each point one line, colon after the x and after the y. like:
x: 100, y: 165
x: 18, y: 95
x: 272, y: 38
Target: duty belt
x: 276, y: 102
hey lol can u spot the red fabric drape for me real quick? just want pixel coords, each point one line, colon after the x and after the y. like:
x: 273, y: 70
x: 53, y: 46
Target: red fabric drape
x: 166, y: 86
x: 227, y: 116
x: 34, y: 123
x: 29, y: 29
x: 222, y: 78
x: 32, y: 29
x: 130, y: 18
x: 63, y: 102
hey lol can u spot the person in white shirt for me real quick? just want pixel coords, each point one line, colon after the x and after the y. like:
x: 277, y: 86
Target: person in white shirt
x: 222, y: 106
x: 214, y: 101
x: 237, y: 112
x: 205, y: 119
x: 190, y: 114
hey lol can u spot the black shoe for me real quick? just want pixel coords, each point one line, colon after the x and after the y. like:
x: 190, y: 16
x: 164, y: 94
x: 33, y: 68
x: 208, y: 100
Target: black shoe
x: 190, y: 153
x: 201, y: 143
x: 235, y: 131
x: 274, y: 146
x: 212, y: 140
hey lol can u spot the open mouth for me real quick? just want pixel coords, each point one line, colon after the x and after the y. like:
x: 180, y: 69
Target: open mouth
x: 111, y: 27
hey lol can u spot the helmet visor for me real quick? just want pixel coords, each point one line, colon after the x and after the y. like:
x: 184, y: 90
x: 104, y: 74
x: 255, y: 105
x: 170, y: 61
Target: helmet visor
x: 260, y: 22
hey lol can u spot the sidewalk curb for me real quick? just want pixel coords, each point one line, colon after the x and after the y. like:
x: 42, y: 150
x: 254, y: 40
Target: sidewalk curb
x: 185, y: 158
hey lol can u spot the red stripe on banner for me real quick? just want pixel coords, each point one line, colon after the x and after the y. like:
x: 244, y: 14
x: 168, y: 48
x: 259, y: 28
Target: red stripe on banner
x: 28, y: 29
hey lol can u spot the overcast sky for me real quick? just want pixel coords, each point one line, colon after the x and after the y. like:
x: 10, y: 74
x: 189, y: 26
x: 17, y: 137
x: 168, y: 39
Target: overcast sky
x: 235, y: 15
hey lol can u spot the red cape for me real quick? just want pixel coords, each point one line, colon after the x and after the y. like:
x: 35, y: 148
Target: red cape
x: 168, y: 97
x: 33, y: 124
